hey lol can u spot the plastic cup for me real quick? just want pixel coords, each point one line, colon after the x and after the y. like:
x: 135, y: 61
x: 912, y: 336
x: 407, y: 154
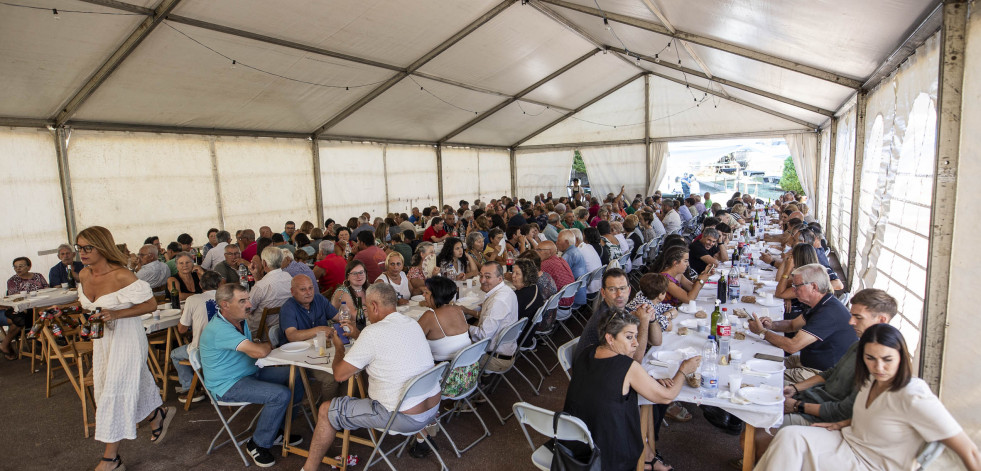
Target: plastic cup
x: 692, y: 306
x: 64, y: 286
x: 23, y: 293
x: 735, y: 381
x: 702, y: 325
x: 156, y: 314
x: 769, y: 297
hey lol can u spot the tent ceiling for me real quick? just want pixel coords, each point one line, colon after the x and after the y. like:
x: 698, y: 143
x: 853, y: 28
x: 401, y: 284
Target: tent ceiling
x: 171, y: 81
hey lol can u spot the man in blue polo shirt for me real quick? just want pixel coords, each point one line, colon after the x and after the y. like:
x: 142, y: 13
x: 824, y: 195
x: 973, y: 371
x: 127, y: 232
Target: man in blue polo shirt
x: 823, y: 334
x: 302, y: 317
x: 228, y: 357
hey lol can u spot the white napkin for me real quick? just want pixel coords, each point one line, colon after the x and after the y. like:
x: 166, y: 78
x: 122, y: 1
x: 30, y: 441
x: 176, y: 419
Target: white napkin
x: 735, y: 399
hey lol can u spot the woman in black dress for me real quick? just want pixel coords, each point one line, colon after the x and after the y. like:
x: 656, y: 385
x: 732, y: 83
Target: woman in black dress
x: 604, y: 388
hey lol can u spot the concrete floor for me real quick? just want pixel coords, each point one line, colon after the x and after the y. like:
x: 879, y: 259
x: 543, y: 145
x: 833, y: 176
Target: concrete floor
x: 41, y: 433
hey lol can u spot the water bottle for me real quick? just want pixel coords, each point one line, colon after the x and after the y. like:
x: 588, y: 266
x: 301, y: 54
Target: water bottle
x: 243, y: 277
x: 710, y: 372
x: 344, y: 315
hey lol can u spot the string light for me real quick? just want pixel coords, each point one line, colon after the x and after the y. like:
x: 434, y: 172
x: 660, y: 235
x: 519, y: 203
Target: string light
x: 440, y: 99
x: 605, y: 22
x: 57, y: 13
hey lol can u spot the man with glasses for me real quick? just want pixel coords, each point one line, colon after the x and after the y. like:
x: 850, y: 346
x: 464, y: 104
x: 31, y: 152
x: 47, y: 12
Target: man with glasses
x: 499, y: 310
x: 66, y: 271
x: 217, y: 253
x: 228, y: 268
x: 823, y: 333
x: 616, y: 293
x: 150, y: 269
x: 706, y: 251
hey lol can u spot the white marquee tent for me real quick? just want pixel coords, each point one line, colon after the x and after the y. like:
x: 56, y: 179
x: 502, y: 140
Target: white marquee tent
x: 165, y: 116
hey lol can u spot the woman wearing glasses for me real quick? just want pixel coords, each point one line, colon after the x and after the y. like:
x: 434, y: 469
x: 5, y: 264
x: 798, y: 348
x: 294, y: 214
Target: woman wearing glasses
x: 352, y: 291
x: 603, y: 392
x: 125, y: 392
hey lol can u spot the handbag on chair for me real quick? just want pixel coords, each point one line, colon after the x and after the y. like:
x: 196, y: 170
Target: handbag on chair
x: 572, y: 455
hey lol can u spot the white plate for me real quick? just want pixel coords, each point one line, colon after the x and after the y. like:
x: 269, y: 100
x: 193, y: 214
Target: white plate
x: 761, y: 396
x: 775, y: 303
x: 295, y: 347
x: 418, y: 298
x: 764, y: 366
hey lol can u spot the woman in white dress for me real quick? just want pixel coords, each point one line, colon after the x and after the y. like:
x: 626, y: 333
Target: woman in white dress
x: 125, y: 392
x: 893, y: 416
x: 393, y: 276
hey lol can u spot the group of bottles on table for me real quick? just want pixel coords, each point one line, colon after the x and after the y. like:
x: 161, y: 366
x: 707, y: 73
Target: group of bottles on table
x: 716, y: 350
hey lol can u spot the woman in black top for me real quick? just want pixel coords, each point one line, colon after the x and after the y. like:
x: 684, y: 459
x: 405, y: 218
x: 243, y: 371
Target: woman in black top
x: 530, y: 298
x: 591, y: 236
x: 187, y: 280
x: 604, y: 388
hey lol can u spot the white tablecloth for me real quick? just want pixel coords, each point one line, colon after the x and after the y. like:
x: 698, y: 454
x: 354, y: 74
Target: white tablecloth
x: 306, y: 359
x: 45, y: 297
x: 162, y: 319
x: 755, y: 415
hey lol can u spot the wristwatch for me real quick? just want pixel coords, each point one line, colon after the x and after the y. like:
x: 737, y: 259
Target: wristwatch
x: 800, y: 407
x: 763, y: 334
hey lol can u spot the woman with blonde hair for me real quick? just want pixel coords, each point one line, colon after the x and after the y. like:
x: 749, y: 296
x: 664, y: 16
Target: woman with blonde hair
x: 125, y: 392
x: 393, y: 276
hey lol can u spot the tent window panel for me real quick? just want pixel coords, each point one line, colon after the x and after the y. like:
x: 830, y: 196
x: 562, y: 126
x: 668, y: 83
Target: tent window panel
x: 159, y: 184
x: 265, y: 182
x: 411, y: 177
x: 38, y: 221
x: 542, y: 172
x: 353, y: 179
x: 494, y: 167
x: 461, y: 176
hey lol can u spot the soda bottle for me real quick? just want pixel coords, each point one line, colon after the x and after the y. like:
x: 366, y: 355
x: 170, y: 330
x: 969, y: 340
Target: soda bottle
x: 243, y: 277
x: 251, y: 280
x: 722, y: 293
x: 724, y: 336
x: 71, y: 277
x: 710, y: 372
x: 175, y: 298
x: 716, y: 314
x: 97, y: 325
x: 344, y: 315
x: 733, y: 283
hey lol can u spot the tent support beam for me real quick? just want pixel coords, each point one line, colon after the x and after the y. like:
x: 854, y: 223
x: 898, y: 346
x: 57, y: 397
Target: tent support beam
x: 101, y: 126
x: 919, y: 35
x: 114, y: 61
x: 514, y: 173
x: 473, y: 26
x: 832, y: 151
x: 949, y: 100
x: 318, y: 184
x: 213, y: 153
x: 711, y: 43
x: 580, y: 108
x: 518, y: 95
x: 648, y: 152
x: 754, y: 106
x: 64, y: 175
x: 580, y: 145
x: 861, y: 104
x: 25, y: 122
x: 730, y: 83
x: 439, y: 173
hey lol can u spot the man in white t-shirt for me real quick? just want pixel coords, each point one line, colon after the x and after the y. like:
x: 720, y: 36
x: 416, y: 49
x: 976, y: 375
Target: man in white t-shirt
x: 217, y: 253
x: 198, y: 310
x: 499, y: 310
x: 393, y: 350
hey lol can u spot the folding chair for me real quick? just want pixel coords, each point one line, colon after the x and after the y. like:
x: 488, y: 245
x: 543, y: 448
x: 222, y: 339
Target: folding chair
x: 75, y: 354
x: 567, y: 428
x: 262, y: 320
x: 522, y: 349
x: 566, y: 351
x: 565, y: 312
x: 506, y: 336
x: 466, y: 357
x: 195, y: 359
x: 422, y: 384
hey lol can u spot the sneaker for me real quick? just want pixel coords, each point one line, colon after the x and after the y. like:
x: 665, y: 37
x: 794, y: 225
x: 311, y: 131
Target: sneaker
x: 294, y: 439
x: 198, y: 398
x: 260, y: 456
x: 421, y: 449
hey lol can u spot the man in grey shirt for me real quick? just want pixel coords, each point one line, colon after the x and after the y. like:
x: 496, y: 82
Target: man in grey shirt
x: 151, y: 270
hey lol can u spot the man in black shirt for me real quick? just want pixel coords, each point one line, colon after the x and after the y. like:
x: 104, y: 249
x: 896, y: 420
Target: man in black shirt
x: 705, y: 251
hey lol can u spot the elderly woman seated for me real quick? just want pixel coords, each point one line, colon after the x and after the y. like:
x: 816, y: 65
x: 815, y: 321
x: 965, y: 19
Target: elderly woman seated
x: 422, y: 266
x: 23, y: 280
x: 187, y: 281
x: 603, y: 392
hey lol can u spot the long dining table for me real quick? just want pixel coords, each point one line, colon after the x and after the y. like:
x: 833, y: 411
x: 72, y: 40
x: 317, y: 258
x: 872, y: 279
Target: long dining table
x: 753, y: 415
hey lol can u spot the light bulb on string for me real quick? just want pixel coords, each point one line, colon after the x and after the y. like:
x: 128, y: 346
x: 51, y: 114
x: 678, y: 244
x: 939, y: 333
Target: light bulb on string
x: 656, y: 59
x: 234, y: 63
x: 606, y: 23
x: 56, y: 15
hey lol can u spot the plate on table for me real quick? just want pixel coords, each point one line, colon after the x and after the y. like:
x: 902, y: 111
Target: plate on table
x: 764, y: 366
x: 686, y: 309
x: 762, y: 302
x: 295, y: 347
x: 762, y: 396
x: 418, y: 298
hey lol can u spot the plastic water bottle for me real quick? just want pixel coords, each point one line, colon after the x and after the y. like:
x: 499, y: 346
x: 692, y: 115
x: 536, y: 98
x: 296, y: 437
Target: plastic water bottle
x: 344, y: 315
x: 243, y: 277
x: 710, y: 372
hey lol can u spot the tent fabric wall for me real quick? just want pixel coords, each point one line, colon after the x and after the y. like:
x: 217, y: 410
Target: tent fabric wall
x: 461, y: 174
x: 841, y: 193
x: 960, y: 385
x: 33, y: 210
x: 610, y: 167
x: 619, y: 116
x: 543, y: 171
x: 818, y: 202
x: 494, y: 167
x: 659, y: 165
x: 803, y: 149
x: 141, y: 184
x: 265, y: 182
x: 411, y: 177
x: 352, y: 176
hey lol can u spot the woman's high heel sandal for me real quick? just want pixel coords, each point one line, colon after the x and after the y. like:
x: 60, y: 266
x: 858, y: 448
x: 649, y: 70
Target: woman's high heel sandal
x: 119, y: 463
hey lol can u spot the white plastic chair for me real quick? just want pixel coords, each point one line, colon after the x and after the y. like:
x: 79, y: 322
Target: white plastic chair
x: 195, y: 359
x: 566, y: 352
x: 420, y: 385
x: 568, y: 428
x: 530, y: 349
x: 505, y: 336
x: 466, y: 357
x: 565, y: 312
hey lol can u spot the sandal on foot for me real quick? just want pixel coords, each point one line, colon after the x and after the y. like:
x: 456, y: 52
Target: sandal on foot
x: 660, y: 459
x: 158, y: 434
x: 119, y: 463
x: 678, y: 413
x: 9, y: 354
